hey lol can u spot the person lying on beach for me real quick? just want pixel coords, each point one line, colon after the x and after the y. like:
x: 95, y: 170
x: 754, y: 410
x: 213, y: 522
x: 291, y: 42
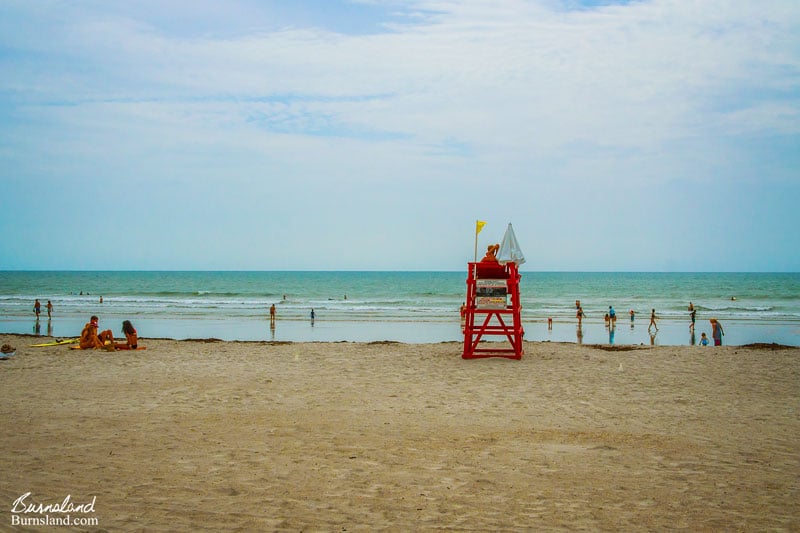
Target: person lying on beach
x: 90, y: 338
x: 491, y: 254
x: 132, y: 339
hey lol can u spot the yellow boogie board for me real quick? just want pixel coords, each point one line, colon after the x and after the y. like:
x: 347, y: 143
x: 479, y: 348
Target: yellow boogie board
x: 55, y: 343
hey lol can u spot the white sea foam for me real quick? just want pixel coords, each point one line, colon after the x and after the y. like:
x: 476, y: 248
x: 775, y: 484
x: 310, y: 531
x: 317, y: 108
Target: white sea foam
x: 389, y: 297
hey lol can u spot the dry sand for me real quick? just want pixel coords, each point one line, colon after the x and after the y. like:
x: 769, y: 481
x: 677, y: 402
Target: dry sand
x: 224, y: 436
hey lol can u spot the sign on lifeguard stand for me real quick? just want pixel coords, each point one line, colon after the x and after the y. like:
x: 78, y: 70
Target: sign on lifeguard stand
x: 489, y: 313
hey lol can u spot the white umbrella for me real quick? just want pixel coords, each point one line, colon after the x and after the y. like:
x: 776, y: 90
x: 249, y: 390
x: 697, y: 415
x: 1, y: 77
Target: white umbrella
x: 509, y: 248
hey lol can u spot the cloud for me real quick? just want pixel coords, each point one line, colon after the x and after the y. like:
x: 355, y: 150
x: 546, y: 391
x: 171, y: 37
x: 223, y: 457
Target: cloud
x: 436, y: 95
x: 488, y: 73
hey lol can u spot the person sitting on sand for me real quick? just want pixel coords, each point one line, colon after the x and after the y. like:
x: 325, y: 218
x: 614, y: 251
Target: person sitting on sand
x: 90, y: 338
x: 130, y: 336
x: 491, y: 254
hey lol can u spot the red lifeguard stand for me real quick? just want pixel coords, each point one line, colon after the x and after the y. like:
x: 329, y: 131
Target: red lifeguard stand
x: 489, y: 313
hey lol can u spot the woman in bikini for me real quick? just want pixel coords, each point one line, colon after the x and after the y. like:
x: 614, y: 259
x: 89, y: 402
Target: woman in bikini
x: 130, y: 336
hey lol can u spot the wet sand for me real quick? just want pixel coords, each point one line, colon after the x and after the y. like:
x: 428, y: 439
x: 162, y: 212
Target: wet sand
x: 190, y: 435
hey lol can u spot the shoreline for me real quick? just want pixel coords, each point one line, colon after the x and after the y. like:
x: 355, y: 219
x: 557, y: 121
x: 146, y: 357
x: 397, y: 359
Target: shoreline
x: 201, y: 434
x: 599, y: 346
x: 671, y: 332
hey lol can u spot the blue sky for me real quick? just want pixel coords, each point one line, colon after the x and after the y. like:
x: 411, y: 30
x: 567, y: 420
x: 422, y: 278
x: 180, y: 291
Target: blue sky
x: 652, y: 135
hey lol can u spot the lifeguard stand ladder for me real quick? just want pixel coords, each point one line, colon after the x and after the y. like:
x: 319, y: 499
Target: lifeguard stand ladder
x: 490, y: 286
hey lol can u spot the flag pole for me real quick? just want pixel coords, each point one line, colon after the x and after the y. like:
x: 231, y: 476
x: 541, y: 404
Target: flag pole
x: 476, y: 242
x: 479, y: 224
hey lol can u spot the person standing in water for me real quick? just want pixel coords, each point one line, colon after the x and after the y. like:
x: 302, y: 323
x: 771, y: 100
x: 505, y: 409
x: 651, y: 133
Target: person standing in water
x: 716, y: 331
x: 653, y: 320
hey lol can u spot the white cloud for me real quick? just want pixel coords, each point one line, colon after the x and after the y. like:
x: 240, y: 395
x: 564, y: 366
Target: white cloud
x: 525, y: 93
x: 484, y: 72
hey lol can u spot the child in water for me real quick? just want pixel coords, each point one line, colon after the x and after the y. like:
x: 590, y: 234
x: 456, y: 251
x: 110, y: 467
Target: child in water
x: 703, y: 339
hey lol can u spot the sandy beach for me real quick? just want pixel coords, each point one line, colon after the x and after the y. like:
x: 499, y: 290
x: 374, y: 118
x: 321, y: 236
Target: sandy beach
x: 258, y: 436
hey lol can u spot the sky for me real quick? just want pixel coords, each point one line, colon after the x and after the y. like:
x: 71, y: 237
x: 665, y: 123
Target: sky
x: 649, y: 135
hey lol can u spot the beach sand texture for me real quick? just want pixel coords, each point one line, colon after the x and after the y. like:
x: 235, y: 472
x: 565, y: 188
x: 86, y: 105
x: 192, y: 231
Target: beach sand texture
x: 192, y: 435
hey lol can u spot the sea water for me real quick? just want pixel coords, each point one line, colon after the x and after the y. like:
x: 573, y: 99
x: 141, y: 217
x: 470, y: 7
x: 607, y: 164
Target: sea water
x: 400, y: 306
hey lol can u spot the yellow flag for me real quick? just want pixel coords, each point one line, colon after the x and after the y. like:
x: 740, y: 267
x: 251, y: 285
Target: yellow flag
x: 479, y: 224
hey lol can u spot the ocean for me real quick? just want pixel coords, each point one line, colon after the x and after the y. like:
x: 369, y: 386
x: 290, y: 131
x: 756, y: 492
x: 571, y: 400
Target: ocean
x: 413, y: 307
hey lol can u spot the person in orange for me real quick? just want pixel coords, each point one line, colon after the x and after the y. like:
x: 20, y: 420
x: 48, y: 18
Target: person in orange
x: 491, y: 254
x: 90, y: 338
x: 132, y: 339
